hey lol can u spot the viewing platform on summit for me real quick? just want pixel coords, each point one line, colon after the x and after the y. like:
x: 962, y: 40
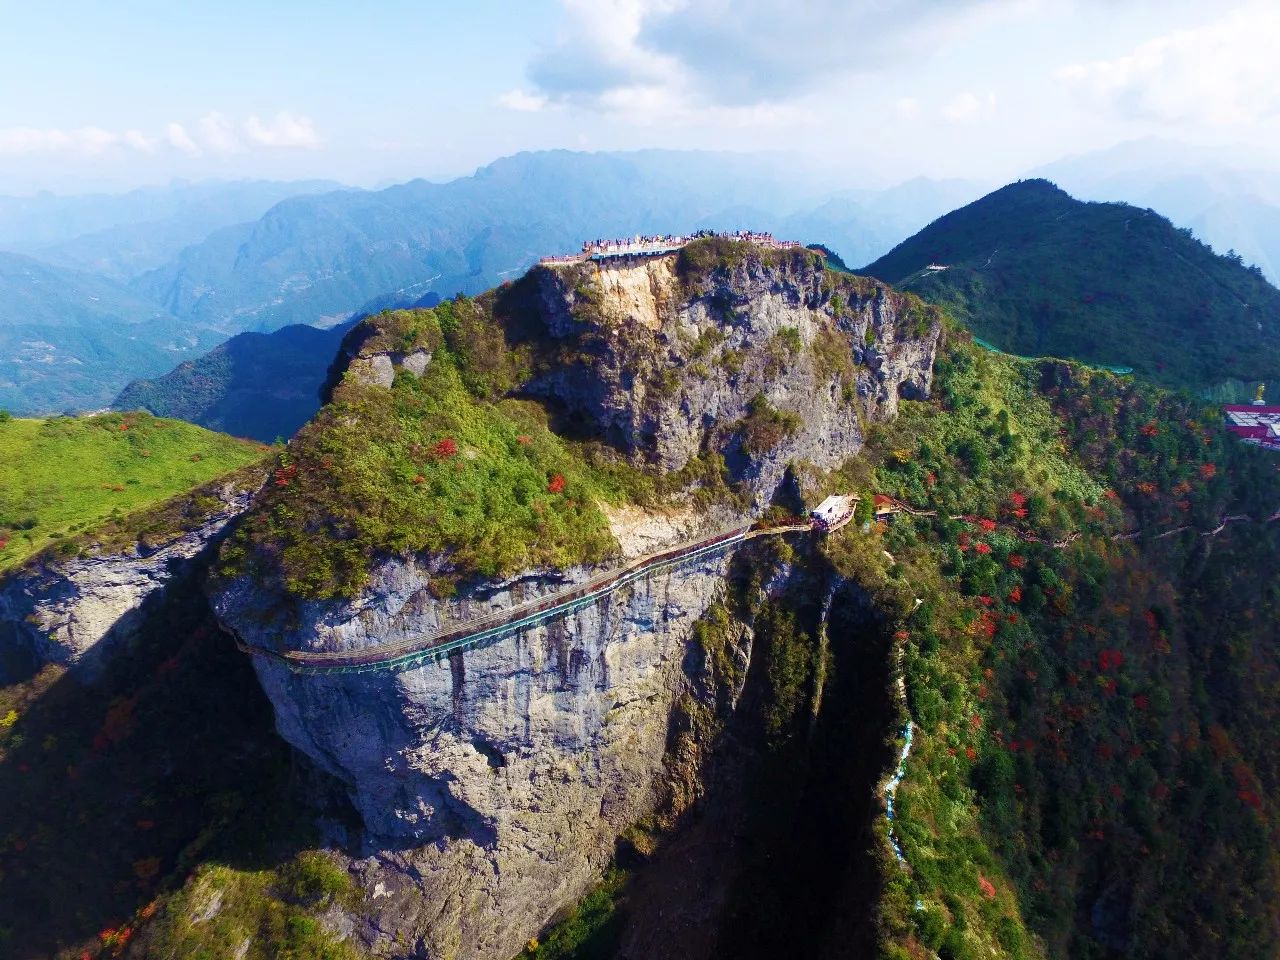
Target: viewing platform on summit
x: 652, y: 246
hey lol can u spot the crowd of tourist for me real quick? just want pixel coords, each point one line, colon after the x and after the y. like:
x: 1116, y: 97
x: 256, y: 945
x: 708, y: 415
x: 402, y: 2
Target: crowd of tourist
x: 663, y: 243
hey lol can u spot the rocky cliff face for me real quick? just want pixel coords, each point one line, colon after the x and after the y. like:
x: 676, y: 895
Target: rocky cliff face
x: 668, y: 360
x: 76, y: 611
x: 494, y: 784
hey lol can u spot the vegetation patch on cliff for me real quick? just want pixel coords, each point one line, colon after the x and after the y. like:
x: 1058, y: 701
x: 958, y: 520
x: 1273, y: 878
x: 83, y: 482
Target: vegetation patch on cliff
x: 67, y: 476
x: 467, y: 456
x: 426, y: 466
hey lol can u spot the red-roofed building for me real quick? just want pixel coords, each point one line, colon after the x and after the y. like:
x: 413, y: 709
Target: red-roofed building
x: 1254, y: 423
x: 885, y: 506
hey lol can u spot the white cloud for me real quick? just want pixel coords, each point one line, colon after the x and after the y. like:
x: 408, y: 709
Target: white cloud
x: 96, y: 140
x: 907, y: 107
x: 219, y: 134
x: 734, y: 53
x: 139, y: 141
x: 179, y: 139
x: 215, y: 133
x: 522, y: 101
x: 967, y: 106
x: 1221, y: 73
x: 285, y: 130
x: 32, y: 140
x: 85, y: 140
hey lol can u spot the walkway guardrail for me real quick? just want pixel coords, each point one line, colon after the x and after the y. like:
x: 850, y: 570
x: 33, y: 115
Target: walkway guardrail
x: 481, y: 631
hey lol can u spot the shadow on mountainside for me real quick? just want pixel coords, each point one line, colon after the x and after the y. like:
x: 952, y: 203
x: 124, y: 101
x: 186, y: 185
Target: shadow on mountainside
x: 777, y: 858
x: 110, y: 793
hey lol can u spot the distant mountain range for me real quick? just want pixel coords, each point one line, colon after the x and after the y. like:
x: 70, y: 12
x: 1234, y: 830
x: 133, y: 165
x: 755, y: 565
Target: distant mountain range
x: 66, y: 337
x: 318, y: 259
x: 1038, y: 273
x: 122, y: 235
x: 101, y: 290
x: 320, y: 256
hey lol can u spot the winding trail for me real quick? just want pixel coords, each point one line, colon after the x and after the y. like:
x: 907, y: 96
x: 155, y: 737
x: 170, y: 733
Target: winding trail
x: 1072, y: 537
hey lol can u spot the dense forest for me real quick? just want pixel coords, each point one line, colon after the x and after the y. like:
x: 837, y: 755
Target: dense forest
x: 1091, y: 772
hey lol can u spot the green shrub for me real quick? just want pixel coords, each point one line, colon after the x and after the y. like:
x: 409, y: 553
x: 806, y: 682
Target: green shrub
x: 764, y: 427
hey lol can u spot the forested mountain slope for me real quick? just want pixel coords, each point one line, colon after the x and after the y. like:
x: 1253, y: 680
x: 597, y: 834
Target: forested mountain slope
x: 260, y: 385
x: 1073, y: 616
x: 1037, y: 273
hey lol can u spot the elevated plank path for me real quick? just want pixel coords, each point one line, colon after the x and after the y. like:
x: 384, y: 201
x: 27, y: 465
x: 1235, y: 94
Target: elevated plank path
x: 482, y: 631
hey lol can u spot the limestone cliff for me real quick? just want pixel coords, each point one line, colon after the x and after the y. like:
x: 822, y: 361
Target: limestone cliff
x: 75, y: 610
x: 668, y: 360
x: 494, y: 783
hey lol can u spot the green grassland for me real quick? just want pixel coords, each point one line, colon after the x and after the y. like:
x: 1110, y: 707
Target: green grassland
x: 66, y: 476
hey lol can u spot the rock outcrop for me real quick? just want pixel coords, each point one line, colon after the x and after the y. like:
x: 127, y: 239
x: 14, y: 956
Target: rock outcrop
x: 668, y: 361
x: 76, y: 610
x: 494, y: 783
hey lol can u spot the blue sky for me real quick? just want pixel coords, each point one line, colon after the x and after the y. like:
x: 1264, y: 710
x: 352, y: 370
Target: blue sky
x: 112, y: 95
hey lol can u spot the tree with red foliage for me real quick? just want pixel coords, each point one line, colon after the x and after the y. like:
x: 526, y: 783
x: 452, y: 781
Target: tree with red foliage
x: 1110, y: 658
x: 448, y: 447
x: 556, y: 485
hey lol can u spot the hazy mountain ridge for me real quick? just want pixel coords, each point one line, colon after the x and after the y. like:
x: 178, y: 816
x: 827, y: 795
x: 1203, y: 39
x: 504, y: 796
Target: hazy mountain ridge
x: 122, y: 235
x: 70, y: 339
x: 329, y: 255
x: 1217, y: 192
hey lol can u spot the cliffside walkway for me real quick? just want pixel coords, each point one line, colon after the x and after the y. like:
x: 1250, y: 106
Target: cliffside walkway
x: 481, y: 631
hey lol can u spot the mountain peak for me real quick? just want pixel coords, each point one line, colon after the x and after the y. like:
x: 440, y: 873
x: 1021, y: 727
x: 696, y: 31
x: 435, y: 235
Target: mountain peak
x: 1039, y: 273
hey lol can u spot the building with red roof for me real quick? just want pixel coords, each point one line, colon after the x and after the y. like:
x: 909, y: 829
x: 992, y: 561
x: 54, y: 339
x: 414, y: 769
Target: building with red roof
x: 1255, y: 423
